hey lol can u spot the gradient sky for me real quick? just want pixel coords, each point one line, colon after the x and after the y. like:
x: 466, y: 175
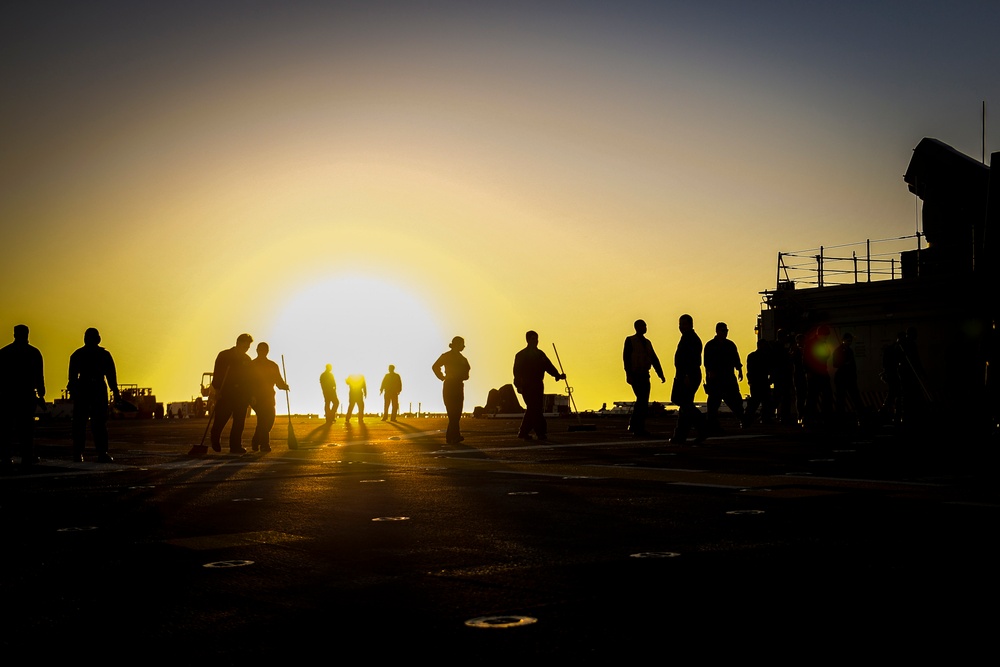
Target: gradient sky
x: 357, y: 182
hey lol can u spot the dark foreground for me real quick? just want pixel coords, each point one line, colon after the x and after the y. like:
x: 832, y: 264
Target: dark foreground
x: 385, y: 543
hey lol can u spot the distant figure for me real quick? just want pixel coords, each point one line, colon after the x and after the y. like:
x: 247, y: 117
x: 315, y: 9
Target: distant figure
x: 721, y: 359
x: 638, y: 357
x: 530, y: 367
x: 330, y: 401
x: 91, y: 373
x: 782, y: 377
x: 759, y: 374
x: 892, y: 358
x: 687, y: 378
x: 816, y: 351
x: 233, y: 384
x: 845, y: 378
x: 392, y: 385
x: 265, y: 377
x: 800, y: 375
x: 357, y: 391
x: 22, y: 387
x: 911, y: 378
x: 456, y: 372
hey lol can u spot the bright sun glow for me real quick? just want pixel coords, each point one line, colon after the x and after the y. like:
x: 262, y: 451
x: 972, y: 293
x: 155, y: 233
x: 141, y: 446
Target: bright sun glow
x: 359, y: 325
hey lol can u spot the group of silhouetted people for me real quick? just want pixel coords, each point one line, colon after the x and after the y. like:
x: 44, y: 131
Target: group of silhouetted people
x: 796, y: 379
x: 91, y: 374
x: 391, y: 387
x: 241, y: 383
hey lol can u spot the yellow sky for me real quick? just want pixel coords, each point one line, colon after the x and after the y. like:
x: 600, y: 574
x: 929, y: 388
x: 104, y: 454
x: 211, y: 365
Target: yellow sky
x: 308, y: 178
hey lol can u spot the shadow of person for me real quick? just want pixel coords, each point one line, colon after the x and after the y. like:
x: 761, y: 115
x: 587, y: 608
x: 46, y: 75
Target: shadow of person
x: 356, y: 432
x: 317, y: 437
x: 409, y: 428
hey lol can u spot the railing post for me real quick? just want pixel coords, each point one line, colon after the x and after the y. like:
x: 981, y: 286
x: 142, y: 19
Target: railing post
x: 892, y: 268
x: 868, y: 245
x: 819, y: 267
x: 777, y: 277
x: 854, y: 258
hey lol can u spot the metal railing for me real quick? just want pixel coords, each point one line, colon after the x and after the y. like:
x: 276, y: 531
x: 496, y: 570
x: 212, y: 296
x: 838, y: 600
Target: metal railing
x: 817, y: 267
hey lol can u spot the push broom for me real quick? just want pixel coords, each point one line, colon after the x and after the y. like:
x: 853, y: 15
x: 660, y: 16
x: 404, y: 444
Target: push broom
x: 293, y: 443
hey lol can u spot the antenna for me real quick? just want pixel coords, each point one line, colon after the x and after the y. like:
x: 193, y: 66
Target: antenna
x: 984, y: 131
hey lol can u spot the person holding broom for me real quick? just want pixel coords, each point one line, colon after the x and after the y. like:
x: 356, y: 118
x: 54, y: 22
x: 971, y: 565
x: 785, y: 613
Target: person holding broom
x: 265, y: 375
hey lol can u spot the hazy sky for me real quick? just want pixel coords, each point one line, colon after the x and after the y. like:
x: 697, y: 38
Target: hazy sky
x: 357, y: 182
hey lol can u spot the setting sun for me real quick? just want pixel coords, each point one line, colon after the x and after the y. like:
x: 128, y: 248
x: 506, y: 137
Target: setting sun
x: 359, y: 325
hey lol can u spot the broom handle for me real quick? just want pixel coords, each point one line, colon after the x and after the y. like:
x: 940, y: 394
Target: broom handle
x: 288, y: 403
x: 569, y: 389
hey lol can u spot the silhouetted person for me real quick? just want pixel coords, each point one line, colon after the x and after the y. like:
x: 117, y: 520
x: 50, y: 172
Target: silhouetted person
x: 530, y: 367
x: 845, y: 378
x: 759, y: 365
x: 456, y: 372
x: 638, y: 357
x: 892, y: 358
x: 265, y: 375
x: 22, y: 387
x: 391, y: 386
x: 816, y: 353
x: 357, y: 391
x: 783, y: 378
x: 911, y: 375
x: 687, y: 378
x: 721, y: 359
x: 91, y: 373
x: 233, y: 383
x: 330, y: 401
x: 800, y: 375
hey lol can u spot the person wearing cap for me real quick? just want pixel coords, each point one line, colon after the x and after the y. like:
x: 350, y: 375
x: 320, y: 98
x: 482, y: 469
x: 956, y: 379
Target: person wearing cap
x: 722, y: 358
x: 456, y: 372
x: 392, y: 384
x: 638, y: 356
x: 265, y: 375
x: 21, y: 389
x: 232, y: 381
x: 91, y: 373
x: 687, y: 377
x: 357, y: 392
x: 330, y: 401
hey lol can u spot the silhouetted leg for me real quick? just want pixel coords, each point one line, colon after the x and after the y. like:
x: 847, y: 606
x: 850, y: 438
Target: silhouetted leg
x: 637, y: 422
x: 454, y: 398
x: 223, y: 413
x: 532, y: 419
x: 80, y: 414
x: 98, y: 410
x: 261, y: 434
x: 236, y: 431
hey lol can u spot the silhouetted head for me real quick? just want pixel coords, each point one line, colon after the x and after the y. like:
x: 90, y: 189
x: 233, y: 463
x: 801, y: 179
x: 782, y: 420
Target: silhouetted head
x: 911, y: 333
x: 263, y: 349
x: 532, y: 338
x: 457, y: 343
x: 91, y: 336
x: 21, y: 333
x: 243, y: 342
x: 329, y: 367
x: 848, y: 338
x: 391, y: 368
x: 721, y: 330
x: 685, y: 323
x: 640, y: 326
